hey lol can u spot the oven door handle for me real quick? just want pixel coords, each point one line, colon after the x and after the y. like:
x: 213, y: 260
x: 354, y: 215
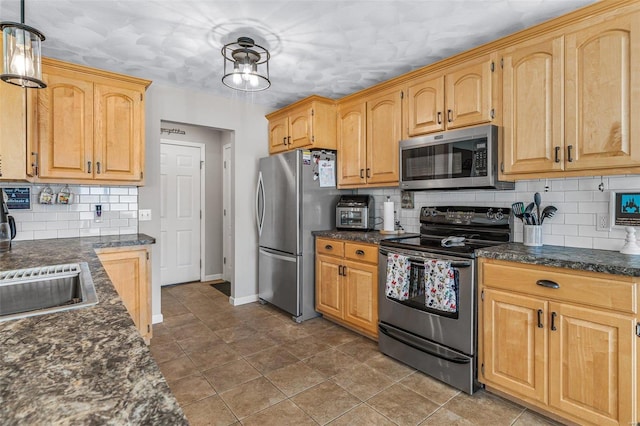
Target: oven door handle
x: 407, y: 340
x: 454, y: 263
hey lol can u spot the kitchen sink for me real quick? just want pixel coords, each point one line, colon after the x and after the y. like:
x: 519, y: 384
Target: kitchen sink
x: 45, y: 289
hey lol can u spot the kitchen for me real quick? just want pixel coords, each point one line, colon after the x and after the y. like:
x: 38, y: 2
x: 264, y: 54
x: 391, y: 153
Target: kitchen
x: 184, y: 107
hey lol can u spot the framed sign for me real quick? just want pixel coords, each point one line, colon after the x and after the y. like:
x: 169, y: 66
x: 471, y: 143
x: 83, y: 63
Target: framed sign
x: 18, y: 198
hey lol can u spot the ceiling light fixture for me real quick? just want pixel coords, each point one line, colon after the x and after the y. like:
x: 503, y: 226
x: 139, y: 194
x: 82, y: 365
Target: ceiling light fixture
x: 246, y: 65
x: 22, y: 59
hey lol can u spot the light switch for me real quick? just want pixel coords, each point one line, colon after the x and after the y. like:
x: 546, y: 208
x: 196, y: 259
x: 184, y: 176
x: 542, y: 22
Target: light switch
x: 144, y: 215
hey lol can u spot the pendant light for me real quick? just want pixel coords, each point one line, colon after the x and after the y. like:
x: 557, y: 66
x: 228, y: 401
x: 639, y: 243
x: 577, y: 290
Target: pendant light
x: 246, y: 66
x: 22, y: 60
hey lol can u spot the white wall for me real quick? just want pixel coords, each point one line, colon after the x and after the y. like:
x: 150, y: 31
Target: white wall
x: 249, y: 142
x: 578, y: 201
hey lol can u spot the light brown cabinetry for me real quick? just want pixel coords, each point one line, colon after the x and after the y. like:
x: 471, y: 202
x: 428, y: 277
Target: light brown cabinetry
x: 346, y: 284
x: 458, y: 97
x: 90, y: 125
x: 309, y: 123
x: 17, y: 117
x: 128, y: 269
x: 368, y: 136
x: 568, y: 100
x: 560, y: 340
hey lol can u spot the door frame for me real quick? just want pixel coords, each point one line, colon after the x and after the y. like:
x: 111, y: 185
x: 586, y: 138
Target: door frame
x: 227, y: 188
x: 203, y: 216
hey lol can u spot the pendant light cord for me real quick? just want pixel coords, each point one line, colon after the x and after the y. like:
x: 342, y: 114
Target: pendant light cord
x: 22, y: 11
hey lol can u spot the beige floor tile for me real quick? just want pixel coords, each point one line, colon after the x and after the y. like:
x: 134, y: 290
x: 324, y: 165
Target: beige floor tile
x: 191, y: 389
x: 330, y: 362
x: 295, y: 378
x: 193, y: 330
x: 252, y: 397
x: 325, y: 401
x: 284, y: 413
x: 171, y: 310
x: 402, y: 406
x: 483, y: 408
x: 288, y: 333
x: 268, y: 323
x: 390, y: 367
x: 160, y: 330
x: 529, y: 418
x: 252, y: 345
x: 210, y: 411
x: 235, y: 333
x: 220, y: 354
x: 360, y: 348
x: 337, y: 336
x: 227, y: 376
x: 200, y: 343
x: 446, y: 417
x: 362, y: 415
x: 316, y: 325
x: 167, y: 352
x: 162, y: 339
x: 362, y: 381
x: 178, y: 368
x: 271, y: 359
x: 178, y: 320
x: 306, y: 347
x: 429, y: 387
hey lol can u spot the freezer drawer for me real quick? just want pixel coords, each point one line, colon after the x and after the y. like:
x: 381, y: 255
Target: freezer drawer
x: 278, y: 280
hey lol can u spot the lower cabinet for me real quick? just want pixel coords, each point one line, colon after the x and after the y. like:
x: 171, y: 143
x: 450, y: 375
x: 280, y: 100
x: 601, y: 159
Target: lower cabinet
x: 560, y: 340
x: 346, y: 284
x: 128, y: 269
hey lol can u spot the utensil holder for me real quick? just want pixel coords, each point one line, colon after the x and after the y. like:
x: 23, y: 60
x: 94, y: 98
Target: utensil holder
x: 532, y: 235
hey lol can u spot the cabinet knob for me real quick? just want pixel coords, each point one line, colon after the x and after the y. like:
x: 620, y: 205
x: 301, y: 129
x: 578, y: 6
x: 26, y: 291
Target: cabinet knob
x: 328, y: 247
x: 360, y: 252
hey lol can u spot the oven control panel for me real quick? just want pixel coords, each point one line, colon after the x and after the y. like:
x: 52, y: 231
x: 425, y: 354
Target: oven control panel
x: 457, y: 215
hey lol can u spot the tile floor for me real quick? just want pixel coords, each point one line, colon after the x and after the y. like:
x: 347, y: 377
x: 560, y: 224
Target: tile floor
x: 252, y: 365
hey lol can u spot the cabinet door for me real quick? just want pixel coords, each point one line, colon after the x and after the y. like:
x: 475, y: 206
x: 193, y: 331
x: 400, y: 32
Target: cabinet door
x: 352, y: 145
x: 17, y: 116
x: 119, y: 134
x: 300, y: 128
x: 425, y: 105
x: 532, y: 107
x: 127, y: 270
x: 515, y: 344
x: 361, y: 295
x: 65, y: 126
x: 468, y: 93
x: 329, y: 291
x: 384, y: 118
x: 278, y: 132
x: 591, y: 363
x: 603, y: 95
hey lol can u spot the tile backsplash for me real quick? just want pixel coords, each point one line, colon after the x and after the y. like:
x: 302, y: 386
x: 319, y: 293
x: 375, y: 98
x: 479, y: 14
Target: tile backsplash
x: 44, y: 221
x: 578, y: 200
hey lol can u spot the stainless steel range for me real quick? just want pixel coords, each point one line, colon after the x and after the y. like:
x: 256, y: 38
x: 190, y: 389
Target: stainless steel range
x: 427, y: 291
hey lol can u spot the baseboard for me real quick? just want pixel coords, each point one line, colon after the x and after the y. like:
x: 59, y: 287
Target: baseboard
x: 236, y: 301
x: 212, y: 277
x: 157, y: 319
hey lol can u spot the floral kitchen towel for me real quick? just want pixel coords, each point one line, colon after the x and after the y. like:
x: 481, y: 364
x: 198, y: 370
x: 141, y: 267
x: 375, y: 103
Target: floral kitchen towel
x: 441, y: 285
x: 398, y: 275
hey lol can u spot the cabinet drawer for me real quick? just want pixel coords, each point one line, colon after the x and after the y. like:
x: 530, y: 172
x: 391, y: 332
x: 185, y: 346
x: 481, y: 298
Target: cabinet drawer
x: 330, y: 247
x: 361, y: 252
x: 585, y: 288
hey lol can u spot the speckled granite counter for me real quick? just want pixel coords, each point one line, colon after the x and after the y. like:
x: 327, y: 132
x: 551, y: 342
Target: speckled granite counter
x: 606, y: 261
x: 372, y: 237
x: 83, y: 366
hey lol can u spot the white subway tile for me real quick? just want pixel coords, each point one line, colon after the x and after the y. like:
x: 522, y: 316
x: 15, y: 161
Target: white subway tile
x: 99, y: 190
x: 106, y: 199
x: 22, y: 216
x: 132, y: 206
x: 128, y: 230
x: 89, y: 232
x: 90, y: 199
x: 128, y: 214
x: 68, y: 216
x: 68, y: 233
x: 608, y: 244
x: 627, y: 182
x: 109, y: 231
x: 562, y: 229
x: 591, y: 231
x: 86, y: 215
x: 578, y: 196
x: 580, y: 219
x: 46, y: 235
x: 584, y: 242
x: 118, y: 191
x: 133, y: 190
x: 34, y: 226
x: 61, y: 224
x: 554, y: 240
x: 24, y: 236
x: 130, y: 199
x: 119, y: 222
x: 593, y: 207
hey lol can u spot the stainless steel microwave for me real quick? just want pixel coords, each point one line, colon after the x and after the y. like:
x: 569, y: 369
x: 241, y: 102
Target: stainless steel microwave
x: 464, y: 158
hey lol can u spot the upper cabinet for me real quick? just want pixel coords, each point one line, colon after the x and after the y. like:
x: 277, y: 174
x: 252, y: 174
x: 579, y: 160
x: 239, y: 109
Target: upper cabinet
x: 17, y: 112
x: 309, y: 123
x: 90, y: 125
x: 368, y: 137
x: 461, y: 96
x: 569, y: 100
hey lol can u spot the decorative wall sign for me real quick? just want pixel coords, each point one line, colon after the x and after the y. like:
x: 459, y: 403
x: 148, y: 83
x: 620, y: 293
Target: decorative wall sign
x: 18, y: 198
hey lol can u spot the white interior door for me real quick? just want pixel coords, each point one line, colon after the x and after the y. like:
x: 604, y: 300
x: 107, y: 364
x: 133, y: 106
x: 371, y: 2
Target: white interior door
x: 227, y: 244
x: 180, y: 220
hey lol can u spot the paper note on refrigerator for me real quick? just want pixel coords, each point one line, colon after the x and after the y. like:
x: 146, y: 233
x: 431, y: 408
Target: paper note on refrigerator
x: 327, y: 171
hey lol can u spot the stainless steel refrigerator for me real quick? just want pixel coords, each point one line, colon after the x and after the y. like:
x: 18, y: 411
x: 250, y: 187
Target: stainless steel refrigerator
x: 290, y: 203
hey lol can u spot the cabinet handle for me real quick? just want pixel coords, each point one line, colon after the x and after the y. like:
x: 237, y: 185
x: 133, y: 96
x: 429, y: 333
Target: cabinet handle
x: 88, y: 166
x: 449, y: 115
x: 284, y: 141
x: 361, y: 173
x: 340, y: 270
x: 548, y: 284
x: 34, y: 165
x: 328, y: 247
x: 98, y: 167
x: 360, y: 252
x: 439, y: 119
x: 344, y: 271
x: 553, y: 321
x: 557, y: 159
x: 569, y: 149
x: 288, y: 140
x: 540, y: 318
x: 368, y: 172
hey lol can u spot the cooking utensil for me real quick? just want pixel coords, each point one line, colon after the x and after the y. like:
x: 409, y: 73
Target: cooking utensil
x: 537, y: 198
x: 548, y: 211
x: 529, y: 208
x: 518, y: 209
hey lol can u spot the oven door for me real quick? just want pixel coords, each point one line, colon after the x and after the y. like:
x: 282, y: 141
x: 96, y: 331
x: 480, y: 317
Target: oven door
x: 455, y: 330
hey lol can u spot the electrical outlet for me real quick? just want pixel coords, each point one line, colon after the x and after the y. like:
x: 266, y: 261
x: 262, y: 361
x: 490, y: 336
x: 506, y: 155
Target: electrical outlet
x: 144, y: 215
x: 602, y: 222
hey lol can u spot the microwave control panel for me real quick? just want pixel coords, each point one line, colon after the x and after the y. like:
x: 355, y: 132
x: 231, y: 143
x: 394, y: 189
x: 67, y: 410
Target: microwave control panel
x: 480, y: 159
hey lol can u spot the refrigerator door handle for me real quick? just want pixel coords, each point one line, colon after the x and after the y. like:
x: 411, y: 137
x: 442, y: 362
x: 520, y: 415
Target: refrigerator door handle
x: 260, y: 214
x: 273, y: 254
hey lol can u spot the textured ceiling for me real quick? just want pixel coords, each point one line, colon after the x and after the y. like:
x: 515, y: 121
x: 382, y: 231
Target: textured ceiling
x: 330, y: 48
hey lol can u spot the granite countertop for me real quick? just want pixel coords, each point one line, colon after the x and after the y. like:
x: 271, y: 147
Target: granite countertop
x: 82, y: 366
x: 372, y: 237
x: 605, y: 261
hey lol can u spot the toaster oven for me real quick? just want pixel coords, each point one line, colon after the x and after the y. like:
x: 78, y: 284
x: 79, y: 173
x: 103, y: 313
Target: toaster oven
x: 355, y: 212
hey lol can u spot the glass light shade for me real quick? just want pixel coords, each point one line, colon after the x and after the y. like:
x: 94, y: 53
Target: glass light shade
x: 22, y: 57
x: 250, y: 64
